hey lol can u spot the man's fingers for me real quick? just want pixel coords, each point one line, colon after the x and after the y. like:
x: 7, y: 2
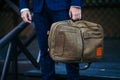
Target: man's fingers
x: 29, y: 16
x: 75, y: 13
x: 26, y: 16
x: 75, y: 16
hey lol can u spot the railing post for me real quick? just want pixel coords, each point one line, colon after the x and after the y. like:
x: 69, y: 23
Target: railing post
x: 13, y: 50
x: 6, y: 63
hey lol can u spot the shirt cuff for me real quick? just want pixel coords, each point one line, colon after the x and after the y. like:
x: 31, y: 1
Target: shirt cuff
x: 24, y: 9
x: 76, y: 6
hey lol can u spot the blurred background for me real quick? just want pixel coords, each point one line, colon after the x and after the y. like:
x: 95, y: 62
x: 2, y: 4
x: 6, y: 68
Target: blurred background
x: 22, y: 59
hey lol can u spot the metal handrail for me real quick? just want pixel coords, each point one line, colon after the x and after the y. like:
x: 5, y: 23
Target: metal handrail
x: 8, y: 37
x: 13, y: 33
x: 16, y: 31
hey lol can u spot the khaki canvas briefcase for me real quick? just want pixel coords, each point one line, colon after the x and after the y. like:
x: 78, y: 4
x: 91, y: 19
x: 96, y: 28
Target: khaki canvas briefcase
x: 80, y: 41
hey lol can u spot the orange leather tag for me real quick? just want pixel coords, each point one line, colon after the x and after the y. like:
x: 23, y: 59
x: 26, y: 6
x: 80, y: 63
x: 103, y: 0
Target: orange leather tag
x: 99, y: 52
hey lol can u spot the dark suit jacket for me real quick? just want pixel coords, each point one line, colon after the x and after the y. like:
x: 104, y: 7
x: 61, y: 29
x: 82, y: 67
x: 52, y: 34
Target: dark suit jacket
x: 52, y: 4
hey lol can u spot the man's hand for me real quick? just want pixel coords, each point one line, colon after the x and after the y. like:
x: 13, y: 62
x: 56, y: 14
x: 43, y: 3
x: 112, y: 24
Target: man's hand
x: 75, y: 13
x: 26, y: 16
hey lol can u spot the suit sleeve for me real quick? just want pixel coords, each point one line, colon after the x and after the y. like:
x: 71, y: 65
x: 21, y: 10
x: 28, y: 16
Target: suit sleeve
x: 76, y: 3
x: 24, y: 4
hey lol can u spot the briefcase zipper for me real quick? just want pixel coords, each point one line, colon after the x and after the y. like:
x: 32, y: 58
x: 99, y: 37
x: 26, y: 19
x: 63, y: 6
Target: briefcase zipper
x: 82, y: 46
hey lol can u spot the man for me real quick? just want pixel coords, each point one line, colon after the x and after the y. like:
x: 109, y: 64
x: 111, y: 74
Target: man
x: 45, y: 13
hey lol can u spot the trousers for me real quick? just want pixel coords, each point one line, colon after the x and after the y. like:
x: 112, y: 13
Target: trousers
x: 43, y: 21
